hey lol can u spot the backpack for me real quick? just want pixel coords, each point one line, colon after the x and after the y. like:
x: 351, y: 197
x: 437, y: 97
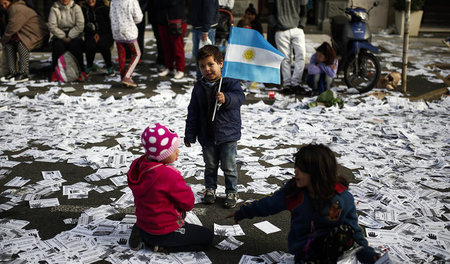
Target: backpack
x: 67, y: 69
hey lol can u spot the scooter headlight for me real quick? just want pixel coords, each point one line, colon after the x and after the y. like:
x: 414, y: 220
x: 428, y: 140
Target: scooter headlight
x: 362, y: 15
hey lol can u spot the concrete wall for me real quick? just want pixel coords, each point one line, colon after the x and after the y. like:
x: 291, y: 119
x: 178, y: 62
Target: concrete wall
x: 241, y: 5
x: 378, y: 19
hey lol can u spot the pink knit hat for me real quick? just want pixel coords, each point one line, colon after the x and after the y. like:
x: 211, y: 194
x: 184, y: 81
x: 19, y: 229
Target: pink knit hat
x: 159, y: 142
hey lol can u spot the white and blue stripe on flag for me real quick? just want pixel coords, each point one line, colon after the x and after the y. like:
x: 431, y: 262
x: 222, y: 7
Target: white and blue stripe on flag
x: 250, y: 57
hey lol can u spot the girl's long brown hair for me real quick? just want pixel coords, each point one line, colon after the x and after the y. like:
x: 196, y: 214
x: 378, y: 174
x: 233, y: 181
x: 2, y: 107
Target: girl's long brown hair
x: 327, y: 50
x: 320, y: 163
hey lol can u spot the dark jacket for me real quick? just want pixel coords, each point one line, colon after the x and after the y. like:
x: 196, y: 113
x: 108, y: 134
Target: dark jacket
x: 205, y: 14
x: 227, y: 123
x: 27, y: 24
x: 342, y: 211
x: 98, y: 16
x: 170, y: 9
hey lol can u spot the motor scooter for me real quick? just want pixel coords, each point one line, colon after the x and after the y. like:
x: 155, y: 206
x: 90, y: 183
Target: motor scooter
x: 351, y: 38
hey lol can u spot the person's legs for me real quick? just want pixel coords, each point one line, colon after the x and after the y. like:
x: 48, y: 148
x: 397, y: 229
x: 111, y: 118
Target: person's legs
x: 11, y: 58
x: 328, y: 81
x: 228, y: 152
x: 189, y: 237
x: 58, y: 49
x: 282, y: 39
x: 178, y: 48
x: 167, y: 46
x: 104, y: 47
x: 153, y: 20
x: 312, y: 80
x: 121, y: 52
x: 24, y: 61
x: 211, y: 159
x: 135, y: 56
x: 196, y: 36
x: 90, y: 49
x: 75, y: 47
x: 298, y: 43
x: 141, y: 33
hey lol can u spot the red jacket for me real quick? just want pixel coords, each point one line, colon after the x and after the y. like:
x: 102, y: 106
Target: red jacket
x: 160, y: 196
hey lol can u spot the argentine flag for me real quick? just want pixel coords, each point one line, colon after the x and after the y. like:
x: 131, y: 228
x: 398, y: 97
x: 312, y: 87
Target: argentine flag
x: 250, y: 57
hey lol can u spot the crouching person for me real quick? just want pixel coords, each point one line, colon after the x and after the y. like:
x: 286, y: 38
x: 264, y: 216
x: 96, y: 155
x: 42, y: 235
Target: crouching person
x: 24, y: 31
x: 162, y: 197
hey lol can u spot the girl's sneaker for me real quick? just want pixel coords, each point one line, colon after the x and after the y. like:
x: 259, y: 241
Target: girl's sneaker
x: 128, y: 82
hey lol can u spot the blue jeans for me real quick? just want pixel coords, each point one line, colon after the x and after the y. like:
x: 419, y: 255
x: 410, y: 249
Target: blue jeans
x: 196, y: 37
x: 319, y: 82
x: 226, y: 154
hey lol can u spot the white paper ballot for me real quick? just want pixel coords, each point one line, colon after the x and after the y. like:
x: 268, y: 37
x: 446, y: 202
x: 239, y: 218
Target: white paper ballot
x: 267, y: 227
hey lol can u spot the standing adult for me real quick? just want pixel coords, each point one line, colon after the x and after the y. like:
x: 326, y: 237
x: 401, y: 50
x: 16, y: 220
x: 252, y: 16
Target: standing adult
x: 24, y: 31
x: 66, y: 23
x: 141, y: 26
x: 172, y: 29
x: 153, y: 19
x: 205, y: 16
x: 285, y: 18
x: 97, y: 34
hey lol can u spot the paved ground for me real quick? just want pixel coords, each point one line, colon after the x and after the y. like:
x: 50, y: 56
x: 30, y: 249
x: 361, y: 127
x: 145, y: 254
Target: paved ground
x: 49, y: 220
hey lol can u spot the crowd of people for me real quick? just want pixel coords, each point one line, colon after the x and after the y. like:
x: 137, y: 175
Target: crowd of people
x: 85, y: 27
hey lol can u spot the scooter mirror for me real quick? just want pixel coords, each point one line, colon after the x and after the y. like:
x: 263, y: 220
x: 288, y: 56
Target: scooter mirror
x: 376, y: 3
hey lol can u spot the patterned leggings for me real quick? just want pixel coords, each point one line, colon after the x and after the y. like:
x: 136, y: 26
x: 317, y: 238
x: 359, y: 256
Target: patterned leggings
x: 133, y: 47
x: 11, y: 58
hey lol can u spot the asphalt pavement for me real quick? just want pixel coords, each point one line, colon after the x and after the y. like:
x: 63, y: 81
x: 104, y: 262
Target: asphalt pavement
x: 48, y: 221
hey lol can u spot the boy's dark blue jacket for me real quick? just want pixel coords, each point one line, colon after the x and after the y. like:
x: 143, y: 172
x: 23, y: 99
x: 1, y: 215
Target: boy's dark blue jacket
x: 227, y: 123
x: 341, y: 211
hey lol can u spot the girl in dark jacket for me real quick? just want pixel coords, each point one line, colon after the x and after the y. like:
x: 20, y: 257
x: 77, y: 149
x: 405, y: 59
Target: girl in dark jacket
x: 97, y: 34
x: 324, y: 222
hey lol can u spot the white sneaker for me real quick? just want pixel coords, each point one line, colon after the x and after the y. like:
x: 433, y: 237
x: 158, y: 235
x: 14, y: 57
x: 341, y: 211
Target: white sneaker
x: 178, y: 75
x: 164, y: 73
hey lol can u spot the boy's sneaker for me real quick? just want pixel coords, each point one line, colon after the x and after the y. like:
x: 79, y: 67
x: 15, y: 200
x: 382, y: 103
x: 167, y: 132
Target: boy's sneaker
x: 178, y: 75
x: 210, y: 196
x: 7, y: 78
x: 164, y: 73
x: 135, y: 240
x: 128, y: 82
x: 110, y: 72
x: 231, y: 200
x: 21, y: 77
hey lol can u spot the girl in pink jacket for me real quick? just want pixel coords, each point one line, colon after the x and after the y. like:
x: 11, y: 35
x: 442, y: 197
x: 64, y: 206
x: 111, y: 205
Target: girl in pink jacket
x: 162, y: 197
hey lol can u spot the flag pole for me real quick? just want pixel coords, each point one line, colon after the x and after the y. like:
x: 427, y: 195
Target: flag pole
x: 216, y: 107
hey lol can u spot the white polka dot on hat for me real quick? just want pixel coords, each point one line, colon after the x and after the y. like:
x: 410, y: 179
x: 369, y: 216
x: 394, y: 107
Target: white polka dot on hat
x: 159, y: 142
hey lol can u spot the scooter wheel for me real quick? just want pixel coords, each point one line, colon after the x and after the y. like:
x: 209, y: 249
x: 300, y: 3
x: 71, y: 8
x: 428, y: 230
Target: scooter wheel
x: 365, y: 75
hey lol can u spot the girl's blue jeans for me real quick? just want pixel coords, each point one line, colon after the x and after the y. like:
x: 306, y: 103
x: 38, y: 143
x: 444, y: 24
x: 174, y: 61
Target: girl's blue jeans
x: 319, y: 82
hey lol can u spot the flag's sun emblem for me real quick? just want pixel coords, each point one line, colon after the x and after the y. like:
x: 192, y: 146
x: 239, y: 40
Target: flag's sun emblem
x: 249, y: 54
